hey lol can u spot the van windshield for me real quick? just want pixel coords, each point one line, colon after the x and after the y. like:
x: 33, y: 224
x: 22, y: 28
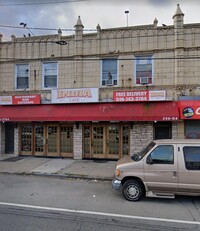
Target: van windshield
x: 140, y: 155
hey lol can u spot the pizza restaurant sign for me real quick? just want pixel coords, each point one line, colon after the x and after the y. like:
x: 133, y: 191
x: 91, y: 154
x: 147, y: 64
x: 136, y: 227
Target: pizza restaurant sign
x: 20, y: 99
x: 189, y: 109
x: 139, y: 96
x: 81, y: 95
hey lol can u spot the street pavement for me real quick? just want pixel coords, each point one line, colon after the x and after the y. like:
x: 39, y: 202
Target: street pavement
x: 86, y: 169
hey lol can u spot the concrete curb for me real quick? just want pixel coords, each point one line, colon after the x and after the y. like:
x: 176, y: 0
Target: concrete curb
x: 69, y: 176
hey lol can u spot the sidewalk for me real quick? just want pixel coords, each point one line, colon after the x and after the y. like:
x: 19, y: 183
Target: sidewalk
x: 87, y: 169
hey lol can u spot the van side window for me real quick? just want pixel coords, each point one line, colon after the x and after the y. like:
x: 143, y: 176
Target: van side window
x: 192, y: 158
x: 163, y: 154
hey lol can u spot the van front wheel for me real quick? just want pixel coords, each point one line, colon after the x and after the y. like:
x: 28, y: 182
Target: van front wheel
x: 133, y: 190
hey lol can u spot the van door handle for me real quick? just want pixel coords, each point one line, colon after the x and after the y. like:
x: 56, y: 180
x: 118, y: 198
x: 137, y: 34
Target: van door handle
x: 174, y: 174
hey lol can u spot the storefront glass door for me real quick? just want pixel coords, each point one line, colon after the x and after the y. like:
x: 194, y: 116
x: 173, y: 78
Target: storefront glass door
x: 113, y: 144
x: 39, y: 140
x: 106, y: 141
x: 52, y: 140
x: 98, y: 137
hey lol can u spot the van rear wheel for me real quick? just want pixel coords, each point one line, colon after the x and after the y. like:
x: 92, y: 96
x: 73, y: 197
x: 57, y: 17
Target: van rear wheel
x: 133, y: 190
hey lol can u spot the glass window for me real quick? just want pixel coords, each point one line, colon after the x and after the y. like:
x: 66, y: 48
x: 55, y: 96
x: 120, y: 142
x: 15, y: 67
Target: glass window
x: 109, y: 72
x: 144, y: 70
x: 192, y: 158
x: 163, y: 154
x: 22, y: 76
x: 50, y: 74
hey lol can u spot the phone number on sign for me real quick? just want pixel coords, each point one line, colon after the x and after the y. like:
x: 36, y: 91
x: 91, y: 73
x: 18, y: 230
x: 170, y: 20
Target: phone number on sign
x: 129, y: 99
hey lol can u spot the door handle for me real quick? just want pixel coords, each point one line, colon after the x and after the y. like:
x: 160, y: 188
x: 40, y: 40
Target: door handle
x: 174, y: 174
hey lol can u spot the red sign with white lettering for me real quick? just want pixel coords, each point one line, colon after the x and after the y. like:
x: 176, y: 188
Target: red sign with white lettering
x: 189, y: 109
x: 139, y: 96
x: 130, y: 96
x: 25, y: 99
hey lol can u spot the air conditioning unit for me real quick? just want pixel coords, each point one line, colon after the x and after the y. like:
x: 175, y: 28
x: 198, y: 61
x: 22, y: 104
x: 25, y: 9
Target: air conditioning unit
x: 144, y: 80
x: 109, y: 82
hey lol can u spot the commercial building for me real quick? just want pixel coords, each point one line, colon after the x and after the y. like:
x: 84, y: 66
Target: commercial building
x: 99, y: 95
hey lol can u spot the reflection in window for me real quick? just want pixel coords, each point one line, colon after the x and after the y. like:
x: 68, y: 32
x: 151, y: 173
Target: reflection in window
x: 144, y: 70
x: 109, y: 72
x: 26, y: 138
x: 50, y: 75
x: 192, y: 158
x: 163, y: 154
x: 22, y: 76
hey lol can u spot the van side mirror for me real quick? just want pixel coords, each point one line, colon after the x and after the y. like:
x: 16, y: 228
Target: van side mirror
x: 149, y: 160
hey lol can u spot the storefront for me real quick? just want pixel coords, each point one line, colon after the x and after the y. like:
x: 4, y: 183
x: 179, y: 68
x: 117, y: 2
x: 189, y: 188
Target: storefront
x: 190, y: 113
x: 90, y: 130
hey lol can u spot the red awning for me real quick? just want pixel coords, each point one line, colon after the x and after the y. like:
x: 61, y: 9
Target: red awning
x: 189, y: 109
x: 146, y: 111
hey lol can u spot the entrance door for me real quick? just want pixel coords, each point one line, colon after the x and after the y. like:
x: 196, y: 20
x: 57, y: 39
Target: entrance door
x: 66, y: 140
x: 9, y: 138
x: 98, y: 144
x: 39, y: 140
x: 52, y: 140
x: 113, y: 142
x: 162, y: 130
x: 106, y: 141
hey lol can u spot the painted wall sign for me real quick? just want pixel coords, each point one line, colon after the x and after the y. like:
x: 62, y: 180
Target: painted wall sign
x: 189, y: 109
x: 20, y: 99
x: 139, y: 96
x: 81, y: 95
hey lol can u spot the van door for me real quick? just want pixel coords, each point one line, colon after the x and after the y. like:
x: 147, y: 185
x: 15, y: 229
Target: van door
x: 189, y: 169
x: 160, y: 169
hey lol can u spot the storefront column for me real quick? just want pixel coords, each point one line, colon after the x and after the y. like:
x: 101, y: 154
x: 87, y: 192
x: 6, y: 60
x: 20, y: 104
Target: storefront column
x: 174, y: 130
x: 141, y: 135
x: 181, y: 130
x: 2, y: 138
x: 78, y: 143
x: 16, y: 140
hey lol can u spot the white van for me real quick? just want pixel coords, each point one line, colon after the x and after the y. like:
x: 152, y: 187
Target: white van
x: 165, y: 168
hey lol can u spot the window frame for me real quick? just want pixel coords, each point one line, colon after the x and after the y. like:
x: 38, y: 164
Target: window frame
x: 149, y: 157
x: 143, y: 57
x: 186, y: 164
x: 117, y: 72
x: 16, y: 77
x: 43, y: 76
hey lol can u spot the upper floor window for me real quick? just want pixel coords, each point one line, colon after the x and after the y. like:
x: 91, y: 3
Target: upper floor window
x: 22, y: 76
x: 144, y: 70
x: 50, y: 75
x: 109, y: 72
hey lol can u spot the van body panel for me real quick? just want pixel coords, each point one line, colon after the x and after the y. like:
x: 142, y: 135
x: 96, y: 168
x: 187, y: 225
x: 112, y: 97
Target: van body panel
x: 161, y: 177
x: 169, y: 167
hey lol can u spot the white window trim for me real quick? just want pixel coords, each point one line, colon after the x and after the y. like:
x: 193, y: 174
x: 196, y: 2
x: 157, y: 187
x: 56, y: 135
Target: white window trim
x: 19, y: 89
x: 134, y: 79
x: 43, y: 87
x: 101, y: 73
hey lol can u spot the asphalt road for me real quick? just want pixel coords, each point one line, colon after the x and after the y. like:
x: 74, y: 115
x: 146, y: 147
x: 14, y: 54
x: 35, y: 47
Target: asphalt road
x: 47, y: 203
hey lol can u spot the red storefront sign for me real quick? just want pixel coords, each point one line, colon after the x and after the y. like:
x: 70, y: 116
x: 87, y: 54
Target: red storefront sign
x: 20, y: 99
x: 139, y: 96
x: 25, y: 99
x: 189, y: 109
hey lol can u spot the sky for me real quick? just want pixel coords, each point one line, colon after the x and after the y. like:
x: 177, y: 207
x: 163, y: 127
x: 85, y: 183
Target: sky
x: 50, y: 15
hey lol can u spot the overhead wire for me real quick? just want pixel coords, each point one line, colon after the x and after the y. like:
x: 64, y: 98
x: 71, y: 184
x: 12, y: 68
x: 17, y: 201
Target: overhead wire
x: 41, y: 3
